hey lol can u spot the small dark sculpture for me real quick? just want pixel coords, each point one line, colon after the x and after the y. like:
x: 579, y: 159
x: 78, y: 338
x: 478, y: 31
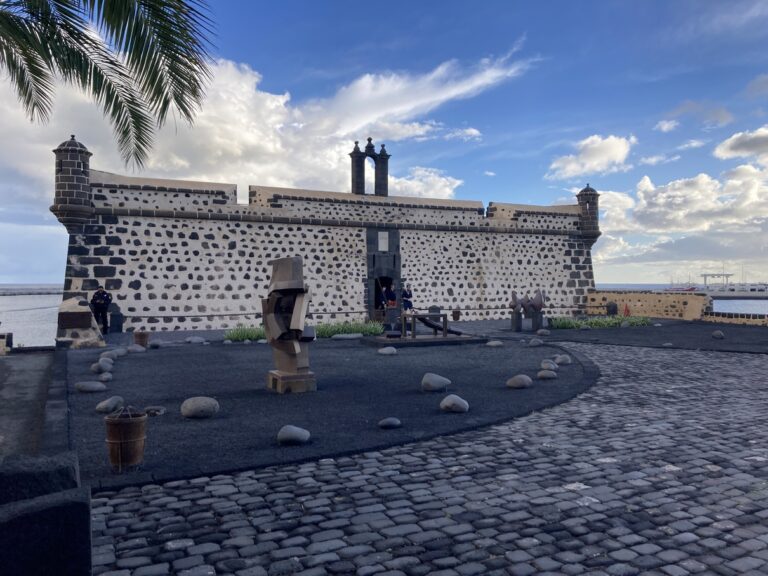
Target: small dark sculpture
x: 529, y: 309
x: 284, y: 311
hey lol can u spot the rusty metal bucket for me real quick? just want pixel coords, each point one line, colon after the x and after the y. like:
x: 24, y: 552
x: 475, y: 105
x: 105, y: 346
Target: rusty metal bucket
x: 141, y: 338
x: 126, y: 434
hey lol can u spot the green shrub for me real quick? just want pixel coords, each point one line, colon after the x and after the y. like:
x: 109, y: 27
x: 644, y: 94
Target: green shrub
x: 240, y: 332
x: 563, y: 323
x: 364, y: 328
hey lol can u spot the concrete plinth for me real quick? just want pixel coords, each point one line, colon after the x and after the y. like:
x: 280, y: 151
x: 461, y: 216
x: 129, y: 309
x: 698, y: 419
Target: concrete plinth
x: 291, y: 382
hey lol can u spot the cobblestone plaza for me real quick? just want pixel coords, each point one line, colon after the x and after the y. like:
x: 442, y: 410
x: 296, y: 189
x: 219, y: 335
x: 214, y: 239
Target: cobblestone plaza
x: 660, y: 468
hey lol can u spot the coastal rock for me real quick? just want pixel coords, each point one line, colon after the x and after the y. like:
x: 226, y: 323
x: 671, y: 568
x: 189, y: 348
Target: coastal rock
x: 434, y: 383
x: 388, y: 351
x: 563, y: 359
x: 352, y: 336
x: 290, y: 434
x: 494, y: 343
x: 519, y: 381
x: 246, y: 341
x: 390, y: 423
x: 199, y: 407
x: 535, y: 342
x: 542, y: 332
x: 227, y: 342
x: 262, y: 341
x: 136, y: 349
x: 546, y: 375
x: 454, y: 403
x: 549, y: 365
x: 109, y: 405
x: 90, y: 386
x: 155, y: 410
x: 111, y: 354
x: 103, y: 365
x: 194, y: 340
x: 120, y: 351
x: 105, y: 377
x: 718, y: 335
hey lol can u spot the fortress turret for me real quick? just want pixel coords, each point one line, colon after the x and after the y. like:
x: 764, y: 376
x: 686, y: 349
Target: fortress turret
x: 590, y: 216
x: 72, y: 197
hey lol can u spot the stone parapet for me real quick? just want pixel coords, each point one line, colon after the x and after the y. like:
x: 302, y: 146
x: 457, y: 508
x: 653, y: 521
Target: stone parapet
x: 686, y: 306
x: 736, y: 318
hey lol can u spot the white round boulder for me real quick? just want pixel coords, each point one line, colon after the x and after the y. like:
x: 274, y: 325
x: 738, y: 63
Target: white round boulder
x: 546, y: 375
x: 494, y: 343
x: 519, y: 381
x: 718, y: 335
x: 111, y: 354
x: 542, y: 332
x: 431, y: 382
x: 549, y: 365
x: 120, y: 351
x: 390, y: 423
x: 388, y: 351
x: 454, y: 403
x: 563, y: 359
x: 290, y: 434
x: 110, y: 405
x: 136, y: 349
x: 199, y: 407
x: 90, y: 386
x: 105, y: 377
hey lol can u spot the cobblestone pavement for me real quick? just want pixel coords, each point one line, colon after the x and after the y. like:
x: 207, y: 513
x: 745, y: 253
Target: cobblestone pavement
x: 660, y: 468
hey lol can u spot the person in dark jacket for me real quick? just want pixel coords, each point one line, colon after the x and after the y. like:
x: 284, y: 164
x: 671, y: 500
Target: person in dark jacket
x: 100, y: 304
x: 407, y: 297
x: 390, y: 296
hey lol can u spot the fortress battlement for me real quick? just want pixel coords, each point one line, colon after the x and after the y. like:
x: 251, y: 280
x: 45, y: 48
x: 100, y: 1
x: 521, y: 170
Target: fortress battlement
x: 180, y: 254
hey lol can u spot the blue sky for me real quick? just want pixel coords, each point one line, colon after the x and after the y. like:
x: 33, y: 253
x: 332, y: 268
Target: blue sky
x: 662, y: 106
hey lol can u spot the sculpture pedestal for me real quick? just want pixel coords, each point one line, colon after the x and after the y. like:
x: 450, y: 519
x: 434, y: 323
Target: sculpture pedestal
x: 291, y: 382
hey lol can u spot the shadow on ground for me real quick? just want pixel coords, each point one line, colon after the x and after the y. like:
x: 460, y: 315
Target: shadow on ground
x: 357, y: 387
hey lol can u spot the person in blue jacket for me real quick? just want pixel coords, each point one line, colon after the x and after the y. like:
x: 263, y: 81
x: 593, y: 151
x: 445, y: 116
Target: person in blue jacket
x: 100, y: 304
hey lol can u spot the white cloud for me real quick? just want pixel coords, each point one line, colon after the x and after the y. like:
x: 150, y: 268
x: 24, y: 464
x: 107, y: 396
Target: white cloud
x: 596, y: 155
x: 712, y: 115
x: 659, y: 159
x: 690, y: 144
x: 745, y: 145
x: 489, y: 173
x: 758, y: 86
x: 465, y: 134
x: 246, y: 135
x: 666, y: 125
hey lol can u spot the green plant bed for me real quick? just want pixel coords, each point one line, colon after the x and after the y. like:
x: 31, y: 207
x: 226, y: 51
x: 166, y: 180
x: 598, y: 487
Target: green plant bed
x: 599, y: 322
x: 241, y: 333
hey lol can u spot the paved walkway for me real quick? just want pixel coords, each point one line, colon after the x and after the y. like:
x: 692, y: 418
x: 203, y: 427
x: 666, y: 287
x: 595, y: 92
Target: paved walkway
x: 661, y: 468
x: 23, y: 391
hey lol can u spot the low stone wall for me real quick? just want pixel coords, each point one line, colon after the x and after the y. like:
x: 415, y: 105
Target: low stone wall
x: 736, y: 318
x: 685, y: 305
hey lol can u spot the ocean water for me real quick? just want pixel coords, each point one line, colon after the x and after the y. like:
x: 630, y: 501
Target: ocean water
x: 31, y: 316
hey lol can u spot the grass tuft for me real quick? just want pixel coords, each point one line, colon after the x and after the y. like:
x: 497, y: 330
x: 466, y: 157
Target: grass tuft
x: 598, y: 322
x: 241, y: 333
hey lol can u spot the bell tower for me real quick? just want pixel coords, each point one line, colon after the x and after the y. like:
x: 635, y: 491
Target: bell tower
x: 381, y: 162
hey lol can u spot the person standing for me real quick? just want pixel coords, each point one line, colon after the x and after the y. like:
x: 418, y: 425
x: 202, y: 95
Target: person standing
x: 407, y: 298
x: 100, y: 303
x: 389, y: 296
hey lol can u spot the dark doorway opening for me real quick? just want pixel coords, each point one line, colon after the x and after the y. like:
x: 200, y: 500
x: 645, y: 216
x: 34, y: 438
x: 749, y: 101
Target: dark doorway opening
x: 380, y: 302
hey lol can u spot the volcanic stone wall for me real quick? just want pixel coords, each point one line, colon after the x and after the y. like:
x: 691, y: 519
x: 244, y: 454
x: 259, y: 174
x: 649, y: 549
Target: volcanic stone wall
x: 183, y: 255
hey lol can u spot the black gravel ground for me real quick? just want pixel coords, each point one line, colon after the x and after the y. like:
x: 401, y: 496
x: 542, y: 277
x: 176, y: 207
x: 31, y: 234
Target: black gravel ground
x: 357, y: 387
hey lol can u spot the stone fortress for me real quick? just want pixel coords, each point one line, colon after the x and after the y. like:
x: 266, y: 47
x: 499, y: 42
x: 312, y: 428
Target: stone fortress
x: 181, y: 255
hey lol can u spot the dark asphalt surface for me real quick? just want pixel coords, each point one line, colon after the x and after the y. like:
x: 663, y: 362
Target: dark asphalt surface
x: 679, y: 333
x: 357, y: 387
